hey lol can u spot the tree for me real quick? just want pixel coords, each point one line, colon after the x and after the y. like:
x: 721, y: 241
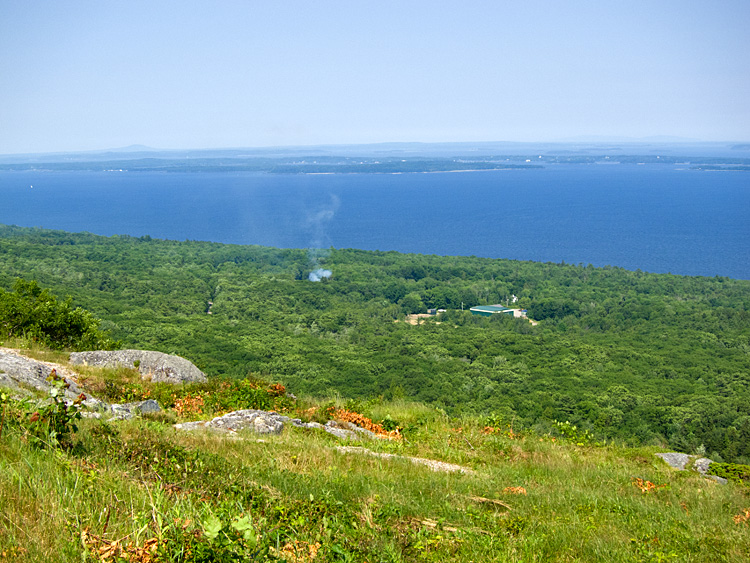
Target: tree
x: 32, y: 312
x: 412, y: 303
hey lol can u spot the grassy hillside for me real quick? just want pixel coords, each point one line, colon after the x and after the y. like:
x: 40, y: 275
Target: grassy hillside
x: 640, y: 358
x: 142, y: 491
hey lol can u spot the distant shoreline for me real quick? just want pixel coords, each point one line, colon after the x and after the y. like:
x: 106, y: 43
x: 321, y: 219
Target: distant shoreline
x: 343, y: 171
x: 415, y: 171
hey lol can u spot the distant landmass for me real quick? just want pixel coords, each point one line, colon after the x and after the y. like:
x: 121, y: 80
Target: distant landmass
x: 620, y: 139
x: 663, y: 146
x: 390, y: 157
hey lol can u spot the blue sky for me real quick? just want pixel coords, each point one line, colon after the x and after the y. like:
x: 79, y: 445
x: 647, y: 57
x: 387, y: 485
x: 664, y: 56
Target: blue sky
x: 81, y: 75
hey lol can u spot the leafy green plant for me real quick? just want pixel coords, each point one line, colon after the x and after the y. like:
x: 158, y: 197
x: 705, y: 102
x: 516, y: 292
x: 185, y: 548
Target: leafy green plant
x: 575, y: 435
x: 53, y: 424
x: 735, y: 472
x: 223, y: 395
x: 494, y: 420
x: 390, y: 425
x: 216, y: 538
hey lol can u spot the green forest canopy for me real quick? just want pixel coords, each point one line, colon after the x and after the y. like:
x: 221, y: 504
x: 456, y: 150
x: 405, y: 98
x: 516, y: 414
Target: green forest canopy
x: 632, y: 356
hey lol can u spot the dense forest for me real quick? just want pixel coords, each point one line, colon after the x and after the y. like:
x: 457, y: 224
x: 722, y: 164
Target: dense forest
x: 630, y: 356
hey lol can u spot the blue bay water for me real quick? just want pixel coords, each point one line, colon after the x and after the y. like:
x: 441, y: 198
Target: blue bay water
x: 656, y: 218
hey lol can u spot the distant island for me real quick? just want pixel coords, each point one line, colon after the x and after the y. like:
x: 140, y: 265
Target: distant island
x: 386, y: 158
x: 367, y: 165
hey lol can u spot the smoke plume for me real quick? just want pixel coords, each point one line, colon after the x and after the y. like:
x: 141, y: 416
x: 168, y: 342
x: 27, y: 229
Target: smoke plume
x: 319, y: 274
x: 317, y: 221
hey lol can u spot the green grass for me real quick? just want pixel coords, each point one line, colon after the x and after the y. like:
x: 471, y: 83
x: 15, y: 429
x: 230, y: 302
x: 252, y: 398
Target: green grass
x: 203, y: 496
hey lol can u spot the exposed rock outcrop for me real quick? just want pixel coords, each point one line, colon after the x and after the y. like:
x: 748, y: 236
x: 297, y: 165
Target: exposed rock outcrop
x: 129, y: 410
x: 124, y: 411
x: 262, y: 422
x: 155, y: 366
x: 21, y: 373
x: 269, y: 422
x: 674, y: 459
x: 24, y: 375
x: 680, y: 462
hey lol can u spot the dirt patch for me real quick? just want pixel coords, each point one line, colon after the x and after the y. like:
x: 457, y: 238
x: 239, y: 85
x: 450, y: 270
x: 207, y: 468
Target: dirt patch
x: 416, y: 318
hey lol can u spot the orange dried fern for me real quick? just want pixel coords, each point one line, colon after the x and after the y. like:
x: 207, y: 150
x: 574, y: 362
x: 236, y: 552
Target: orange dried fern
x: 515, y: 490
x: 364, y: 422
x: 743, y: 517
x: 646, y: 486
x: 298, y: 551
x: 115, y: 550
x: 189, y: 404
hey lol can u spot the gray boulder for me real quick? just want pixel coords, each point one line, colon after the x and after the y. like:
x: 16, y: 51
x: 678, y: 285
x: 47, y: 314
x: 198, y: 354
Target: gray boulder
x: 127, y: 411
x: 147, y: 406
x: 314, y: 425
x: 22, y: 374
x: 269, y: 422
x: 344, y: 433
x: 261, y: 422
x: 680, y: 462
x: 120, y: 412
x: 155, y: 366
x: 701, y: 466
x: 677, y: 460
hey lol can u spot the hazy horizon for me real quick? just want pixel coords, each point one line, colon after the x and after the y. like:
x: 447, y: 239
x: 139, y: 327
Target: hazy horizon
x: 582, y: 143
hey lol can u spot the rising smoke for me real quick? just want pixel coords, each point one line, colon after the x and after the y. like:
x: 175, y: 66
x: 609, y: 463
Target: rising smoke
x: 319, y: 274
x: 317, y: 221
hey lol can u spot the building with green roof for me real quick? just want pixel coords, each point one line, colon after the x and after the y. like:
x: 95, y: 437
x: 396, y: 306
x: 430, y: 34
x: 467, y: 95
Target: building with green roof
x: 489, y: 310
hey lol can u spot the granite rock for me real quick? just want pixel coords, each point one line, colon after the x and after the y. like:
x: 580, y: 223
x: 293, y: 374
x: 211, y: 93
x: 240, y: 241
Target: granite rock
x: 680, y: 462
x: 21, y: 373
x: 261, y: 422
x: 677, y: 460
x: 127, y: 411
x: 155, y: 366
x: 269, y: 422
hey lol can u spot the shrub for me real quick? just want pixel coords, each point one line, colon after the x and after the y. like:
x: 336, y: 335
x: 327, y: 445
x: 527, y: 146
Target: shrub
x: 575, y: 435
x: 32, y: 312
x: 735, y: 472
x: 54, y: 424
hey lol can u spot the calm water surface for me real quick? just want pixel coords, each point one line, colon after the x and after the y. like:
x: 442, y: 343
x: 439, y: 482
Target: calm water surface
x: 658, y: 218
